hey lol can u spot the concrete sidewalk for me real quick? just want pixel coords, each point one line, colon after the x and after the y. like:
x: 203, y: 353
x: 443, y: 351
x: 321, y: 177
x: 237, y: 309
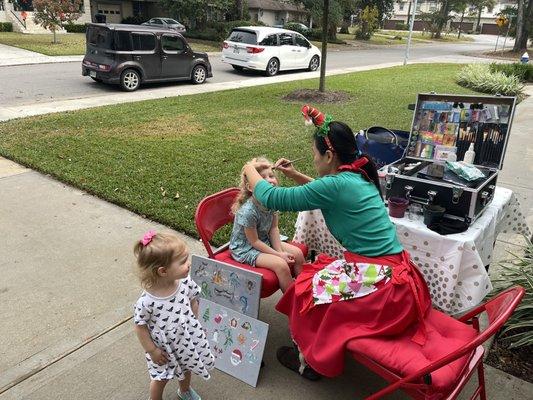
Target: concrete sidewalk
x: 10, y: 55
x: 68, y: 287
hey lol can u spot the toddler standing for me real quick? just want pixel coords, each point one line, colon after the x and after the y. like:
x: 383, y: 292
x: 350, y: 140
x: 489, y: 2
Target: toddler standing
x: 166, y: 316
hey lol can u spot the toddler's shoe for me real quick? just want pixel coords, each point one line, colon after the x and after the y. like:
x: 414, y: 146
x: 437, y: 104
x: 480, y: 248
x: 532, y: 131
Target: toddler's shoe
x: 189, y: 395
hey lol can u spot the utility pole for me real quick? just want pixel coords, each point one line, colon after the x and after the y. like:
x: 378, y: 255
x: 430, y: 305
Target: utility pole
x: 411, y: 25
x: 325, y: 26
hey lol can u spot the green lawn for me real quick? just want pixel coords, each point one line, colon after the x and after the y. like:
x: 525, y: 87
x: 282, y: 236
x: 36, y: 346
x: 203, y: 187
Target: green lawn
x: 386, y: 37
x: 73, y: 43
x: 140, y: 155
x: 452, y: 37
x: 69, y: 44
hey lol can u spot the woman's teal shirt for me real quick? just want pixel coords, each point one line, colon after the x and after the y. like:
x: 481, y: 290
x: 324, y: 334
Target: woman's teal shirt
x: 353, y: 210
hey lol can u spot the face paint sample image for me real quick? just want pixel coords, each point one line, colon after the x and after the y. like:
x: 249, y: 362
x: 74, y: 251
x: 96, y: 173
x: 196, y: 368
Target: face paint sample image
x: 225, y: 284
x: 237, y: 341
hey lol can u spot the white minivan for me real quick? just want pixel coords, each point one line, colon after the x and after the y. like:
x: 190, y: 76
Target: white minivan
x: 269, y: 49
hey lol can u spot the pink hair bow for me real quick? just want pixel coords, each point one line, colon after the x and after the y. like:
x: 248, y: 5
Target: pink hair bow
x: 147, y: 238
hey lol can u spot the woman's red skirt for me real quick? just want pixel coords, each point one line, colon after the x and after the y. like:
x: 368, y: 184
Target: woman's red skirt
x: 323, y: 331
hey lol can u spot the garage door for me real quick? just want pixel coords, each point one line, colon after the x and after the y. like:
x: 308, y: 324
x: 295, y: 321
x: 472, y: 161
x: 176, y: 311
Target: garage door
x: 112, y: 12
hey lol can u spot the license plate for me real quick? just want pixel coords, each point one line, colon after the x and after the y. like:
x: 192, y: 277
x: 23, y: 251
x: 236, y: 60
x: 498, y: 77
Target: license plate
x: 92, y: 73
x: 236, y: 50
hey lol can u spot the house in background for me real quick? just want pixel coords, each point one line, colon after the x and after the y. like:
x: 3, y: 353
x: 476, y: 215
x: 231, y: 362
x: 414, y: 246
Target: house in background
x: 270, y: 12
x: 403, y: 8
x: 277, y: 12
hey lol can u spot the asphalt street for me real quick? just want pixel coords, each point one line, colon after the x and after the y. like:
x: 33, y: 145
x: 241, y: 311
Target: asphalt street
x: 43, y: 83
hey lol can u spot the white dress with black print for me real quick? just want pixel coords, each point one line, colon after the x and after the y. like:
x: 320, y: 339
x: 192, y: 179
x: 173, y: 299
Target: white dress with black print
x: 174, y: 329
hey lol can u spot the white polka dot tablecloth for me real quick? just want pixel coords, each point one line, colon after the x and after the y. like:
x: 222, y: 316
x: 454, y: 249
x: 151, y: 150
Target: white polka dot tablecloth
x: 453, y: 265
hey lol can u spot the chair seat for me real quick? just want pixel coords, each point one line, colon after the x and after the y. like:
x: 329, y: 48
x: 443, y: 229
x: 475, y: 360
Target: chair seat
x: 270, y: 283
x: 401, y: 356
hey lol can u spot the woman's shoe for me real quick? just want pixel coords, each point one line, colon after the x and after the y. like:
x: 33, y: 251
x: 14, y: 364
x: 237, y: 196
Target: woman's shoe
x: 289, y: 357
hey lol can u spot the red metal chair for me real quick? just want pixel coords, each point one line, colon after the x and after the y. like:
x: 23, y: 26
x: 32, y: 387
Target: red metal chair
x: 214, y: 212
x: 453, y: 352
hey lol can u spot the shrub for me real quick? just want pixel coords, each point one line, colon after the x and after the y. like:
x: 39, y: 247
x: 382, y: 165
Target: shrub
x: 314, y: 34
x: 223, y: 29
x: 519, y: 271
x: 296, y: 27
x: 401, y: 26
x: 134, y: 20
x: 206, y: 34
x: 480, y: 78
x: 524, y: 72
x: 75, y: 28
x: 6, y: 27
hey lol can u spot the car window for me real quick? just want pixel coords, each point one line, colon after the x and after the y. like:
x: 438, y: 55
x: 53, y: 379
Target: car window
x: 170, y: 21
x: 242, y: 36
x: 270, y: 40
x: 285, y: 39
x: 143, y: 41
x: 172, y: 43
x: 157, y: 21
x: 100, y: 37
x: 123, y: 41
x: 301, y: 41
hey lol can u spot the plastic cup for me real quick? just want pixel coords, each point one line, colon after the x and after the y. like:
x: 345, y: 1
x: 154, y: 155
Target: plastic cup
x: 433, y: 213
x: 397, y: 206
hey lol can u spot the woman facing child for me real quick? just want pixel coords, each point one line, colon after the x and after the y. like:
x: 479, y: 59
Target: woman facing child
x: 255, y: 238
x: 166, y: 314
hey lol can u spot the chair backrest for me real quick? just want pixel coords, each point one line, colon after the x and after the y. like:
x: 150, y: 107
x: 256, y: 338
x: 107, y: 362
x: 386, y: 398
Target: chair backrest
x: 499, y: 309
x: 212, y: 213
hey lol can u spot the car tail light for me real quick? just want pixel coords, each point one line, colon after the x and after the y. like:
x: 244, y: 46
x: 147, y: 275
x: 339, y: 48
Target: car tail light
x: 103, y: 67
x: 225, y: 45
x: 254, y: 50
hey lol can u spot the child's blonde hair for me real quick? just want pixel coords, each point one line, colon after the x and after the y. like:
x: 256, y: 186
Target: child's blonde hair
x: 245, y: 194
x: 160, y: 251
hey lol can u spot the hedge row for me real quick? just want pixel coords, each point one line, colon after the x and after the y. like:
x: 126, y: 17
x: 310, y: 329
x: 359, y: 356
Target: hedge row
x: 6, y: 27
x: 75, y: 28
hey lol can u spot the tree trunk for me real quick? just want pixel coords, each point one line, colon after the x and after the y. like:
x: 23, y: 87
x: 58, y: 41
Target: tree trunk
x: 444, y: 11
x: 478, y: 22
x: 240, y: 9
x: 325, y: 24
x: 461, y: 24
x: 54, y: 31
x: 523, y: 24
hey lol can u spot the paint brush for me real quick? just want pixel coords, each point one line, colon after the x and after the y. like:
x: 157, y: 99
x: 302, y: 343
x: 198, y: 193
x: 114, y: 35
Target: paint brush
x: 287, y: 163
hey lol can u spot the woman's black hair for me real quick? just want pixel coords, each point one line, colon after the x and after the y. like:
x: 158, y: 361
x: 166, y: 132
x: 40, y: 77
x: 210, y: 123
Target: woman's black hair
x: 343, y: 141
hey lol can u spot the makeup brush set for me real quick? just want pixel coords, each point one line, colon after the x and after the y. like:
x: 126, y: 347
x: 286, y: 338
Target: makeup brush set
x: 450, y: 128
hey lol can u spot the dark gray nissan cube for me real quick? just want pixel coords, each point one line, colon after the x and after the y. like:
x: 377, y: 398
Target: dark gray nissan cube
x: 129, y: 55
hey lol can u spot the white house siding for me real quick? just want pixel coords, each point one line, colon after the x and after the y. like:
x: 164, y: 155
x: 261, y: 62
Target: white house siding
x: 401, y: 9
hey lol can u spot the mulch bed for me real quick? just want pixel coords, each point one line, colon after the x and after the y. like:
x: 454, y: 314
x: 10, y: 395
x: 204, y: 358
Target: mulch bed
x: 517, y: 362
x: 315, y: 96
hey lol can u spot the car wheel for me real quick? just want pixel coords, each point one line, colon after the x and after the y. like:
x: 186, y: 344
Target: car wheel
x: 314, y: 63
x: 130, y: 80
x: 96, y: 79
x: 237, y: 67
x: 272, y: 67
x: 199, y: 74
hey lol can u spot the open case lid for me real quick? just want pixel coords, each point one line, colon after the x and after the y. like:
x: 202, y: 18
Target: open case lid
x: 450, y: 122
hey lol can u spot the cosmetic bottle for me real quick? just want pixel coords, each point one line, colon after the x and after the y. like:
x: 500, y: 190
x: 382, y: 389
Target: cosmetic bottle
x: 470, y: 154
